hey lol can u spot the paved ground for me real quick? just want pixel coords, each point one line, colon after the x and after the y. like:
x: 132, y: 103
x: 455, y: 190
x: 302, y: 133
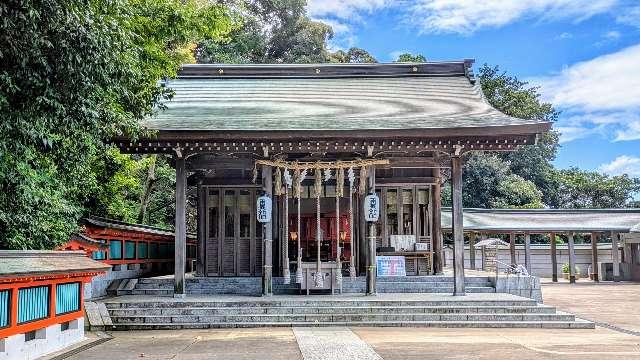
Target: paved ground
x: 606, y: 302
x: 613, y: 304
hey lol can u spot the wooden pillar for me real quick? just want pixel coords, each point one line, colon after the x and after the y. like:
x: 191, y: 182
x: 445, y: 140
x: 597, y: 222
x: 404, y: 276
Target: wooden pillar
x: 594, y: 256
x: 284, y: 238
x: 179, y: 289
x: 438, y: 256
x: 371, y: 268
x: 472, y: 250
x: 458, y: 226
x: 615, y: 256
x: 484, y: 255
x: 572, y: 259
x: 202, y: 236
x: 267, y: 236
x: 512, y: 248
x: 527, y: 252
x: 554, y: 258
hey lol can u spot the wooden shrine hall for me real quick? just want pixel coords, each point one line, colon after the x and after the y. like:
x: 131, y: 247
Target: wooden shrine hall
x: 317, y: 139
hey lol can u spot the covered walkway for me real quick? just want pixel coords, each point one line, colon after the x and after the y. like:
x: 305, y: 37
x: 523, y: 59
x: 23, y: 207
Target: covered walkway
x: 620, y: 227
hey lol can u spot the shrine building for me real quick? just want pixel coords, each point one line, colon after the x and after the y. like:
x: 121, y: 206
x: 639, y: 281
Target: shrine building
x: 316, y: 140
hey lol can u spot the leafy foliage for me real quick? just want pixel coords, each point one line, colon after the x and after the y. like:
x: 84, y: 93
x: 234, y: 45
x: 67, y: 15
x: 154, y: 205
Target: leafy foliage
x: 74, y: 73
x: 585, y: 189
x: 272, y: 31
x: 353, y: 55
x: 407, y: 57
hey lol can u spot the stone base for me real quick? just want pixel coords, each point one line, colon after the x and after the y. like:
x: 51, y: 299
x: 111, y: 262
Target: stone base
x: 525, y: 286
x: 47, y: 341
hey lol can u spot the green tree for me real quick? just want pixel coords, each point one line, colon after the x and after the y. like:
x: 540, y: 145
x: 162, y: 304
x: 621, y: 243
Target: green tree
x: 353, y: 55
x: 516, y: 98
x: 407, y: 57
x: 73, y: 74
x: 589, y: 189
x: 272, y: 31
x: 516, y: 192
x: 481, y: 175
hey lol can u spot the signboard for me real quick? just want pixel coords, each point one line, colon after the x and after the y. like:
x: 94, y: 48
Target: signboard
x: 390, y: 266
x: 402, y: 242
x: 263, y: 209
x: 371, y: 207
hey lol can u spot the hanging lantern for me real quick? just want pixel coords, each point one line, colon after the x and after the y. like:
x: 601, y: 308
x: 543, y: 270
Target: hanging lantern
x: 263, y: 209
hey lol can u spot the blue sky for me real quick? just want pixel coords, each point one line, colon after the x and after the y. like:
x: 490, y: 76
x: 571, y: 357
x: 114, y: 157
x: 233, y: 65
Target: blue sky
x: 584, y: 54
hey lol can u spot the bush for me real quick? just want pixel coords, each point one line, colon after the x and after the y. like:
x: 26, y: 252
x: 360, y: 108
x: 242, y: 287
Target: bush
x: 565, y: 269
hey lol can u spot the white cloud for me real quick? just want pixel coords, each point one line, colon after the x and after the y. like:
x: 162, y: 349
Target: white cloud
x: 631, y: 132
x: 344, y: 9
x: 338, y: 27
x: 598, y: 96
x: 623, y: 164
x: 570, y: 133
x: 629, y: 16
x: 341, y: 15
x: 564, y: 36
x: 613, y: 35
x: 468, y: 16
x: 608, y: 82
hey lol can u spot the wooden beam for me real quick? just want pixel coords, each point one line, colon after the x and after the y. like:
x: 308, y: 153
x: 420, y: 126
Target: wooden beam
x: 436, y: 230
x: 179, y: 288
x: 371, y: 269
x: 572, y: 259
x: 594, y: 257
x: 209, y: 161
x: 527, y: 252
x: 554, y: 258
x: 412, y: 162
x: 202, y: 236
x: 267, y: 236
x: 615, y: 256
x: 406, y: 180
x: 458, y: 231
x: 484, y: 255
x: 472, y: 250
x: 512, y: 248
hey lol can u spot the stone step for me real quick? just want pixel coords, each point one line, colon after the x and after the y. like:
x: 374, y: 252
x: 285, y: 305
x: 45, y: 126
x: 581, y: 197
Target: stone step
x: 577, y: 324
x: 200, y: 311
x: 152, y: 286
x: 346, y: 280
x: 157, y: 292
x: 212, y: 319
x: 418, y: 288
x: 433, y: 279
x: 317, y: 303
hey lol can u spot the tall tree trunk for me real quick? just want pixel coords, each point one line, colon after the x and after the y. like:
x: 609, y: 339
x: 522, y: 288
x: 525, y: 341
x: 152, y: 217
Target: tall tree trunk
x: 146, y: 193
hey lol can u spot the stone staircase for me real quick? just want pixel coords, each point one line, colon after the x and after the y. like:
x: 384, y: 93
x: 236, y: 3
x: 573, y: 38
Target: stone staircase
x: 412, y: 310
x: 253, y: 285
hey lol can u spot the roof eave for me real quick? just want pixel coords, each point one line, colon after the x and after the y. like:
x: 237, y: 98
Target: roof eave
x: 531, y: 129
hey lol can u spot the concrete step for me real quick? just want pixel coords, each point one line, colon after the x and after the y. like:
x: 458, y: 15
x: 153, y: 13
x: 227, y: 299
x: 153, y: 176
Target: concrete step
x: 201, y: 311
x: 424, y: 288
x: 430, y: 279
x: 152, y: 286
x: 213, y: 319
x: 307, y: 302
x: 577, y: 324
x: 157, y: 292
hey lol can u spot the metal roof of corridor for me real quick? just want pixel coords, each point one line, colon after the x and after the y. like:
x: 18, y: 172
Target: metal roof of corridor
x: 547, y: 220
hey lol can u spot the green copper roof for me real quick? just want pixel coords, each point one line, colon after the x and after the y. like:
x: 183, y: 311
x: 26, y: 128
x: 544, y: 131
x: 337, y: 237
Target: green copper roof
x: 587, y: 220
x: 392, y: 96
